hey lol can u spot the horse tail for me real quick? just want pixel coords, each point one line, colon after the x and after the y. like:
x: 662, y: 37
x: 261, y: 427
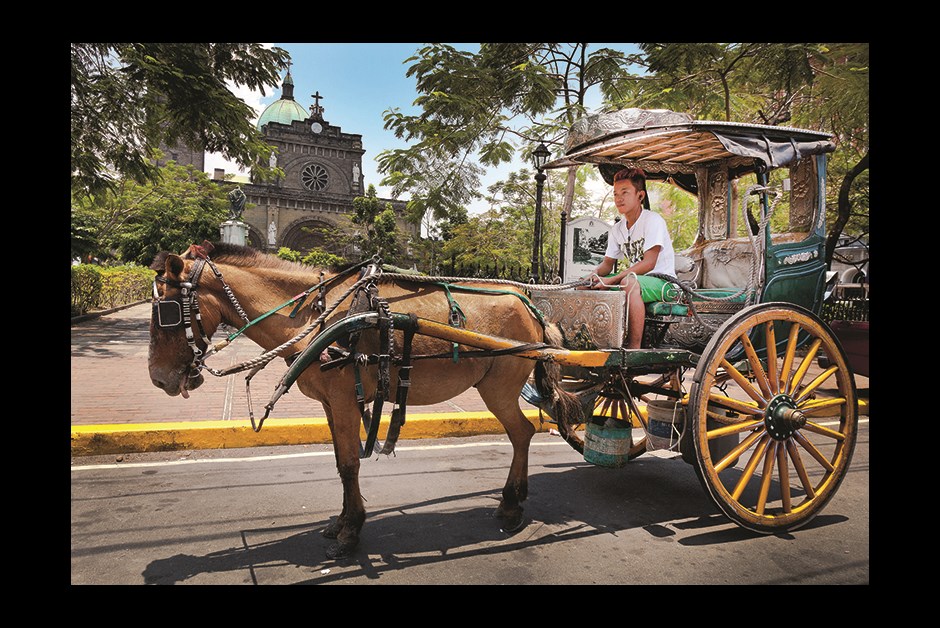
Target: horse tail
x: 566, y: 406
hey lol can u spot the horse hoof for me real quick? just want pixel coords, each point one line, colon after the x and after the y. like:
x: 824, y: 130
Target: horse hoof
x: 513, y: 524
x: 340, y: 550
x: 332, y: 531
x: 511, y: 520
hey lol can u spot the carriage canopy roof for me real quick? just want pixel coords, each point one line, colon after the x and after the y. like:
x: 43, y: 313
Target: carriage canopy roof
x: 679, y: 143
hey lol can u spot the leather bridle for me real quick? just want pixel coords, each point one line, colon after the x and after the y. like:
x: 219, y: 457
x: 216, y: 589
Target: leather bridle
x: 181, y: 311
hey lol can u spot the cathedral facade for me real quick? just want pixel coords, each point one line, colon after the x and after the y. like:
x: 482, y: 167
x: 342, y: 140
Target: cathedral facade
x: 322, y: 168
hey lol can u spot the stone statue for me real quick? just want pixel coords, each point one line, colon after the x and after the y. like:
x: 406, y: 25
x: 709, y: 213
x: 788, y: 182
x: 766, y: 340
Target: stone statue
x: 356, y: 173
x: 272, y: 160
x: 272, y: 233
x: 237, y: 199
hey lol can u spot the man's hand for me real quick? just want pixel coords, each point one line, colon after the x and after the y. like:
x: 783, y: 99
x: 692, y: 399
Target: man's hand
x: 598, y: 283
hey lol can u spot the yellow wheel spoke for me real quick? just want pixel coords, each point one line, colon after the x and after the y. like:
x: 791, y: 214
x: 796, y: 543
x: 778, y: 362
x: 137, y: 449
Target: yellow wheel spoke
x: 743, y: 407
x: 823, y: 431
x: 788, y: 356
x: 800, y: 469
x: 741, y: 381
x: 750, y: 467
x: 804, y: 366
x: 784, y: 472
x: 815, y: 453
x: 816, y: 383
x: 756, y: 367
x: 771, y: 337
x: 735, y: 453
x: 817, y: 406
x: 737, y: 428
x: 766, y: 476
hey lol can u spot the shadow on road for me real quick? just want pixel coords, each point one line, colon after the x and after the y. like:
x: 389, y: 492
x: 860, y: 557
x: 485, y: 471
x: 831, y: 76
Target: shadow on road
x: 661, y: 497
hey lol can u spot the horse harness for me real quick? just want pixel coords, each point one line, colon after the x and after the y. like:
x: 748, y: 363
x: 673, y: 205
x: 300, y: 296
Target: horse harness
x: 181, y: 311
x: 366, y: 298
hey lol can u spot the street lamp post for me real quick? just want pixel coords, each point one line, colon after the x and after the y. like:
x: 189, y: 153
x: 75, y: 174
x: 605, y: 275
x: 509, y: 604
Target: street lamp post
x: 539, y: 157
x: 561, y: 245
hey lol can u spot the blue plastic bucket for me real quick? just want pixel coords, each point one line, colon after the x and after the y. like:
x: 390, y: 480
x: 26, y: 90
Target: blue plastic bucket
x: 607, y: 446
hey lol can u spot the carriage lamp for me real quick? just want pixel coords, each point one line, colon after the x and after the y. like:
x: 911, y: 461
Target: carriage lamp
x: 539, y: 158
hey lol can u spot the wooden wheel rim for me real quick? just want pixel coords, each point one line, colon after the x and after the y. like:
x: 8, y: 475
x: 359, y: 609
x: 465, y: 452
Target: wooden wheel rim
x: 814, y: 457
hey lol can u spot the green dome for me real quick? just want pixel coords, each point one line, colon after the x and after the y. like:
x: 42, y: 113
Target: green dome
x: 282, y: 111
x: 285, y: 110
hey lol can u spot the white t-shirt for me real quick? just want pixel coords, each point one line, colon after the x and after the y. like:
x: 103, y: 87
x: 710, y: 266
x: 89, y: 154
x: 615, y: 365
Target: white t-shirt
x: 648, y: 231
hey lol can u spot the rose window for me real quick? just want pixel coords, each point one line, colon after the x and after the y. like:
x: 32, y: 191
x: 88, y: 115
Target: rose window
x: 314, y: 177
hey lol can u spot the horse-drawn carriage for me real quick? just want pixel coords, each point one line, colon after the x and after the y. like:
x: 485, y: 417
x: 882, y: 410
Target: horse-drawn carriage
x: 726, y: 376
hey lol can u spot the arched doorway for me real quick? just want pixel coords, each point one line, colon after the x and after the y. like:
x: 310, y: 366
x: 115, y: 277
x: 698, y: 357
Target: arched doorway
x: 308, y: 234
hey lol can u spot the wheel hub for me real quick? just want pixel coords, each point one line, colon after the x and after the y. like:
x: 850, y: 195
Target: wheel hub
x: 782, y: 417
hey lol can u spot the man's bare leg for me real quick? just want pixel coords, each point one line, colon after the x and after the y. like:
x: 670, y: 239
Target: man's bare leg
x: 636, y: 312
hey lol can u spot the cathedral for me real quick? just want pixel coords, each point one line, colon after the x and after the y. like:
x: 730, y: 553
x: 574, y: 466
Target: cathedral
x: 322, y: 168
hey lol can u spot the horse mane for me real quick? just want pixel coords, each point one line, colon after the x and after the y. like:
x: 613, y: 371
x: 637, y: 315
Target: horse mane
x: 247, y: 257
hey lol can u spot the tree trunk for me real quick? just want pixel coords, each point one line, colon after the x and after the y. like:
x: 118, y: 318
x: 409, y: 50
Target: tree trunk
x: 844, y: 207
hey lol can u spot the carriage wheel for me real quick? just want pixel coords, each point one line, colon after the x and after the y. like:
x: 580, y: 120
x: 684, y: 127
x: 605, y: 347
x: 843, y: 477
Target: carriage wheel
x: 610, y: 402
x: 792, y: 429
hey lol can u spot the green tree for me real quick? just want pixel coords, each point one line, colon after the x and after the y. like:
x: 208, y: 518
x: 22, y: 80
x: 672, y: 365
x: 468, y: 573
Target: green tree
x: 476, y: 107
x: 502, y: 236
x: 378, y: 221
x: 133, y: 222
x: 127, y: 98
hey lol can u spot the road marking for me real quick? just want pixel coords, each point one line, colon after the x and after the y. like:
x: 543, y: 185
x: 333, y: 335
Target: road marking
x: 316, y: 454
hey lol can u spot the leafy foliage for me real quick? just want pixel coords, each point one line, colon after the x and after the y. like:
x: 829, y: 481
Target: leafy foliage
x: 85, y: 285
x: 475, y: 106
x: 133, y: 222
x: 318, y: 258
x: 378, y: 221
x: 127, y: 98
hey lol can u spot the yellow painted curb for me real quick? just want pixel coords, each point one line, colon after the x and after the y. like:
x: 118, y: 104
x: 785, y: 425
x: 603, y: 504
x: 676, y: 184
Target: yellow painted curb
x: 89, y: 440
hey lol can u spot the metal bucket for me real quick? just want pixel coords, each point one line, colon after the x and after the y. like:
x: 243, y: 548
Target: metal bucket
x: 665, y: 418
x: 607, y: 446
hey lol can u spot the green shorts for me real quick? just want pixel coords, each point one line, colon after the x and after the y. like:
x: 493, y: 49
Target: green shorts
x: 653, y: 289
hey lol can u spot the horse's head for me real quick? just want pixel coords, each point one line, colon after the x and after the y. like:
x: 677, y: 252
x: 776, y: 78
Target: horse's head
x: 177, y: 339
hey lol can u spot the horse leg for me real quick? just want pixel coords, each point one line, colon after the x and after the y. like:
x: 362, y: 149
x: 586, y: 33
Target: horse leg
x: 494, y: 391
x: 345, y: 529
x: 332, y: 530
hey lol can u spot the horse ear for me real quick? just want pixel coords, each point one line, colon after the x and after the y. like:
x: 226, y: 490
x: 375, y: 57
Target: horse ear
x: 174, y: 265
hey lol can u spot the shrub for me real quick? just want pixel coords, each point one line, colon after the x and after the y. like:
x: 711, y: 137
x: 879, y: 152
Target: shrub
x: 86, y: 287
x: 318, y: 258
x: 95, y: 287
x: 125, y: 284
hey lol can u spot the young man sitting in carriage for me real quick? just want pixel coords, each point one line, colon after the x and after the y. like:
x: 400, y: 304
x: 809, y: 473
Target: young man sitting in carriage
x: 642, y: 239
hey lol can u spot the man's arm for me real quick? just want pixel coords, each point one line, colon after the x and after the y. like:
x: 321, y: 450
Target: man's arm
x: 645, y: 265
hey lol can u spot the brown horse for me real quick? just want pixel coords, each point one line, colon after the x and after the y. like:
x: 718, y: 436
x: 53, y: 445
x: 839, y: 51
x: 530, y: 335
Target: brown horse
x: 244, y: 284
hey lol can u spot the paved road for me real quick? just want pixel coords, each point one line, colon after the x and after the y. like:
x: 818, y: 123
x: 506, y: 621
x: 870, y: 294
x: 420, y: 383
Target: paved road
x: 254, y: 516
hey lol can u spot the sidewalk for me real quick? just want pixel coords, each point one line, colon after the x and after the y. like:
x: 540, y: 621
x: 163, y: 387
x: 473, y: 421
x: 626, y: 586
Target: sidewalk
x: 116, y: 409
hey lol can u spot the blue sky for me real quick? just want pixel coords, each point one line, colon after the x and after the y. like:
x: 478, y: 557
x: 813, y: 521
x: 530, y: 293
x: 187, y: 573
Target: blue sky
x: 359, y: 82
